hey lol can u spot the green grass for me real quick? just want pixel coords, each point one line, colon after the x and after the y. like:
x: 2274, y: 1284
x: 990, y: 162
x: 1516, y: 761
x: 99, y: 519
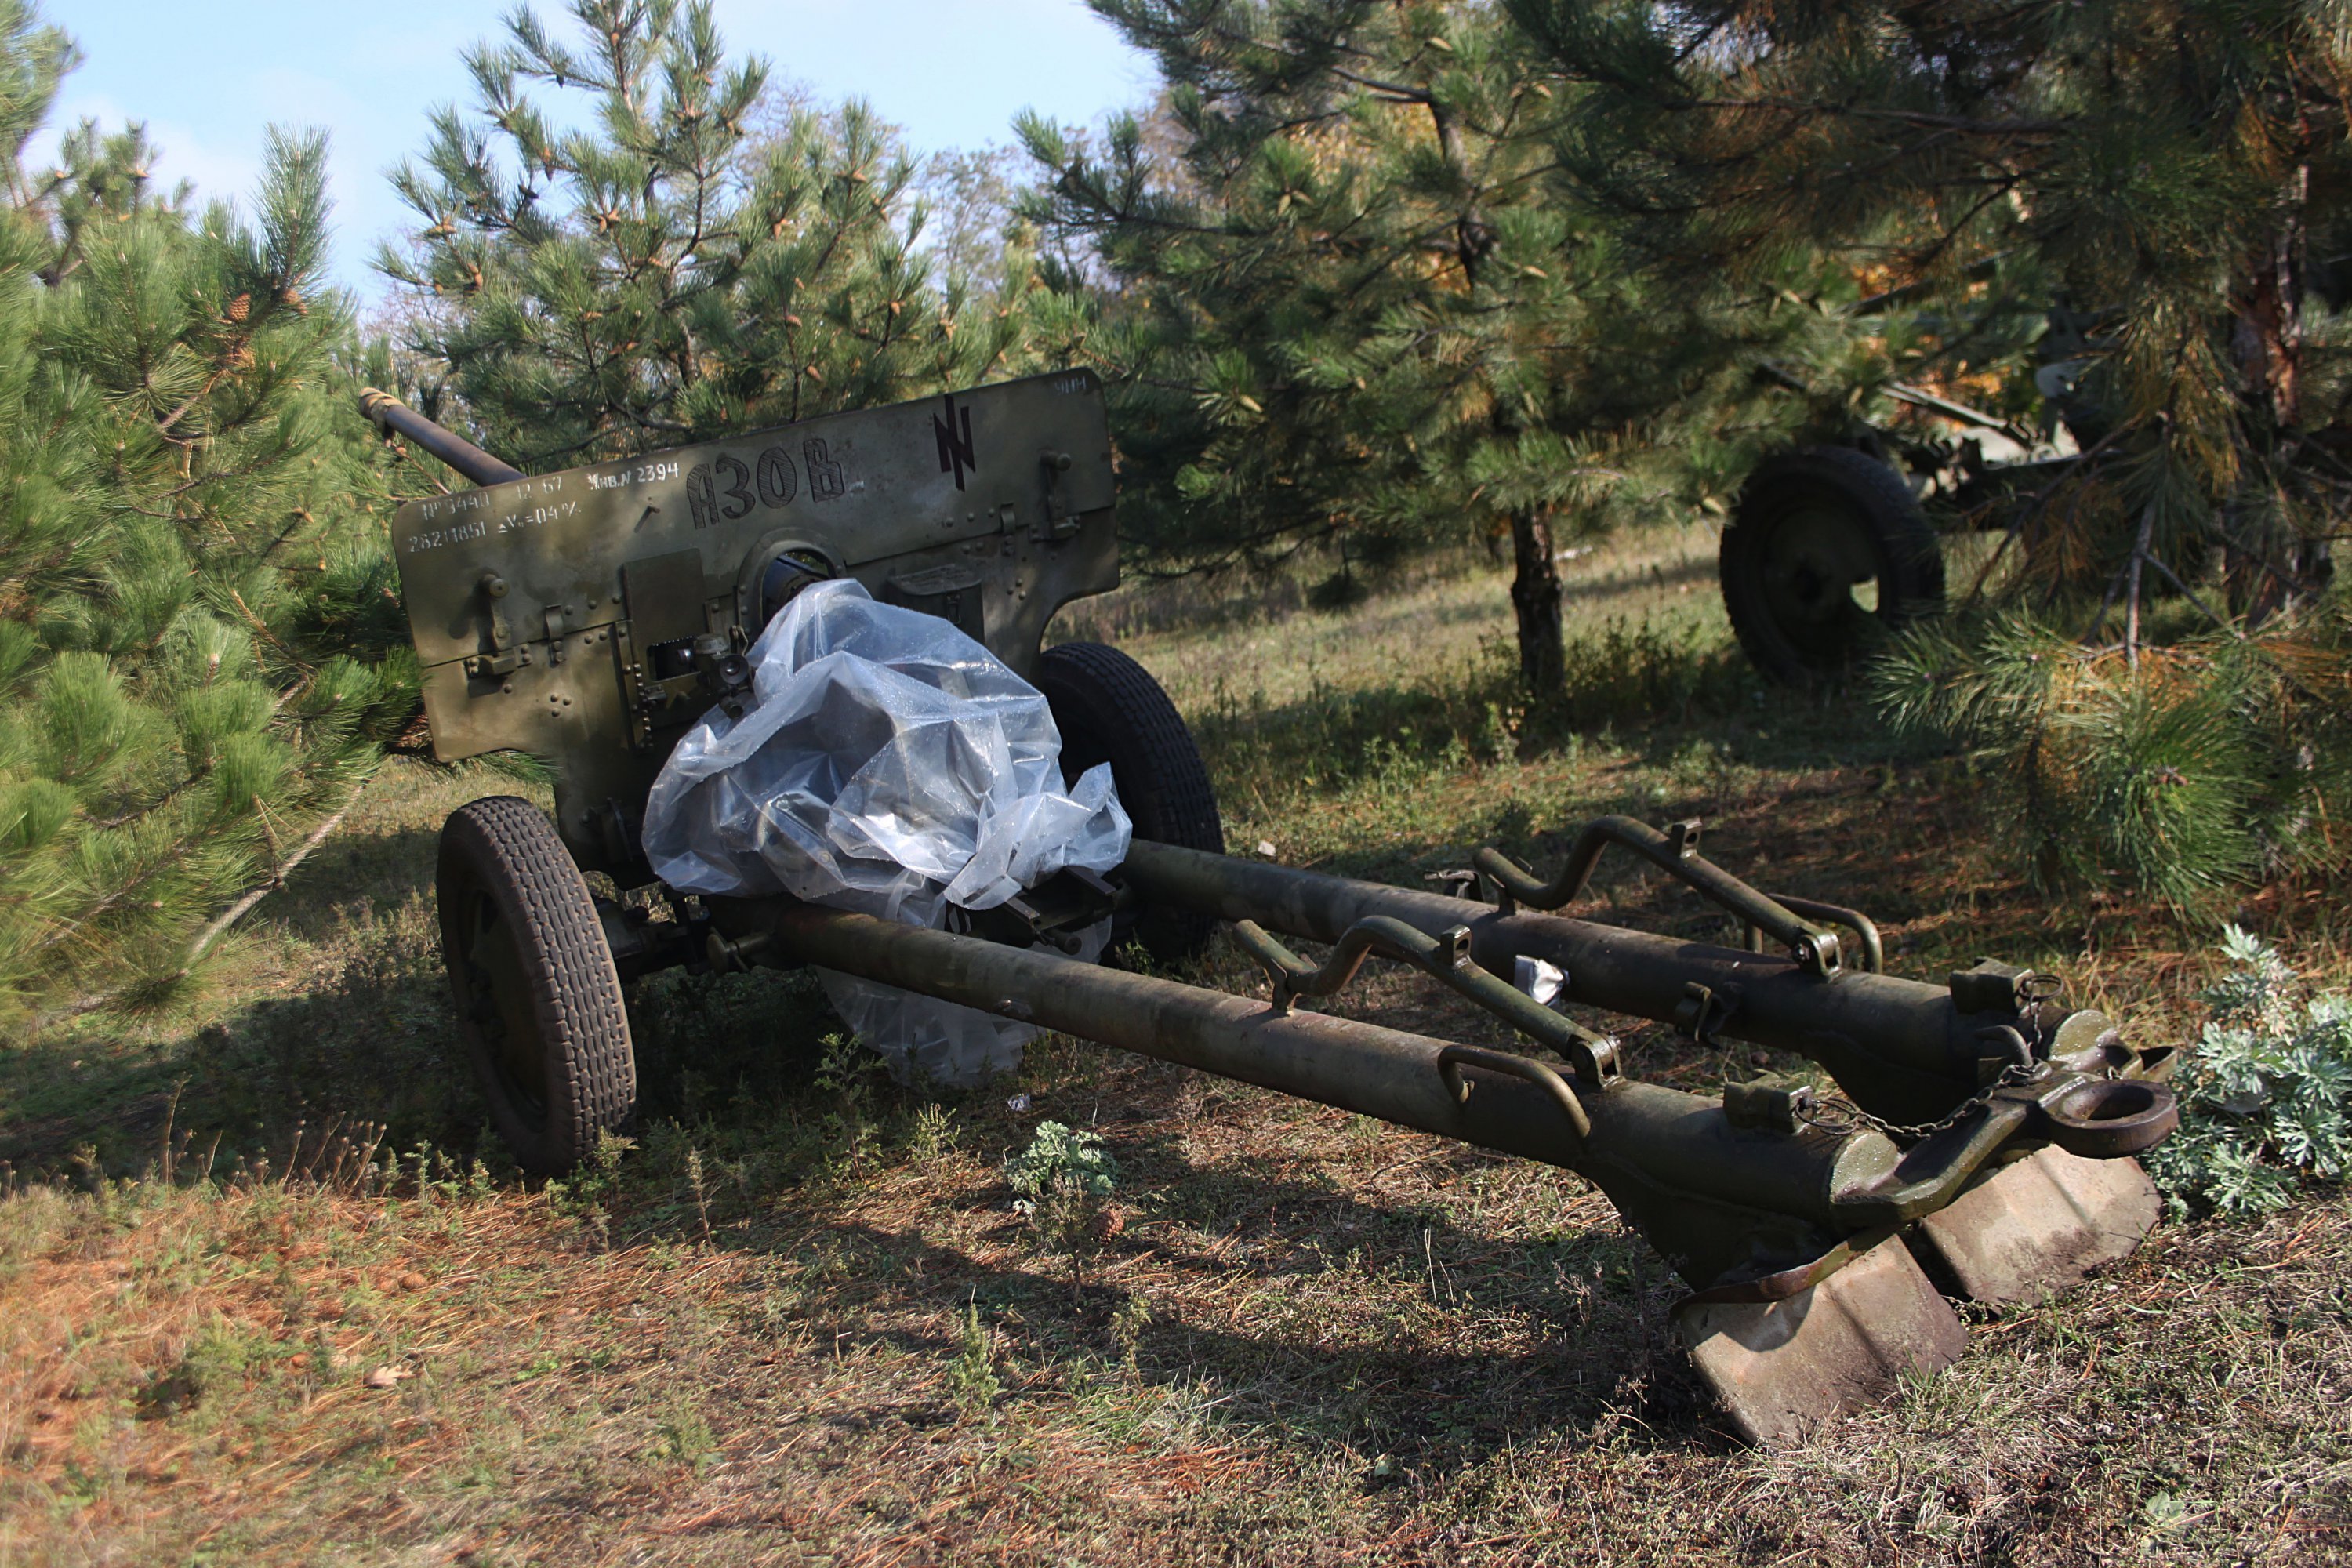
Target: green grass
x: 794, y: 1324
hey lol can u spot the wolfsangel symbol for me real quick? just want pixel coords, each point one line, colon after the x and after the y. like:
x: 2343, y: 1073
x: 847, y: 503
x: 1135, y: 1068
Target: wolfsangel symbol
x: 955, y: 440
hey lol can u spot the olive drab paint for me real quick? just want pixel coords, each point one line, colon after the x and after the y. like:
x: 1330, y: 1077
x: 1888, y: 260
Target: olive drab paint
x: 573, y: 616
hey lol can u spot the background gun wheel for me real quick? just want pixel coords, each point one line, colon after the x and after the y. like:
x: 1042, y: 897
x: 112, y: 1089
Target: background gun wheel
x: 1827, y: 552
x: 539, y: 1003
x: 1109, y: 709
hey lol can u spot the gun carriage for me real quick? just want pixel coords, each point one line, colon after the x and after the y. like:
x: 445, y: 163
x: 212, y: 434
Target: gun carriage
x: 589, y: 616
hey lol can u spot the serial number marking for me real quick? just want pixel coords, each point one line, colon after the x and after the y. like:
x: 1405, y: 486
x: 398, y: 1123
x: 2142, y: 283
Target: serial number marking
x: 482, y: 527
x: 489, y: 496
x: 642, y: 474
x: 455, y: 533
x: 462, y: 502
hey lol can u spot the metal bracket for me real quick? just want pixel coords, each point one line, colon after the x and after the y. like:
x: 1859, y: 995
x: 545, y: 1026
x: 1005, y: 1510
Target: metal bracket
x: 618, y: 827
x: 730, y: 955
x: 1675, y: 852
x: 556, y: 620
x: 1452, y: 1058
x: 1058, y: 524
x: 953, y: 592
x: 1703, y: 1010
x: 641, y: 945
x: 1445, y: 958
x: 495, y: 667
x: 1864, y: 929
x: 1058, y: 913
x: 1768, y: 1105
x: 2011, y: 1049
x: 492, y: 588
x: 1990, y: 986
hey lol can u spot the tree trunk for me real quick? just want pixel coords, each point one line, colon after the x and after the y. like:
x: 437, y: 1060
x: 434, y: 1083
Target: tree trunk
x: 2269, y: 339
x: 2266, y: 576
x: 1535, y: 596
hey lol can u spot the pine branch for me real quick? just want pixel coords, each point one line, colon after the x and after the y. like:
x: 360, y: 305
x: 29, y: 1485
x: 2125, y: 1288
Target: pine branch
x: 1961, y: 124
x: 245, y: 901
x: 2131, y: 607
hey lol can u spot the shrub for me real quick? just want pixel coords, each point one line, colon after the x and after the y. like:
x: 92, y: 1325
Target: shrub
x: 2263, y: 1092
x: 1065, y: 1179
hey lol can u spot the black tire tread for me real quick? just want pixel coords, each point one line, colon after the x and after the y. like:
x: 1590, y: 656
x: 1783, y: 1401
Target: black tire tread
x: 1100, y: 693
x: 1912, y: 586
x: 1108, y: 689
x: 510, y: 847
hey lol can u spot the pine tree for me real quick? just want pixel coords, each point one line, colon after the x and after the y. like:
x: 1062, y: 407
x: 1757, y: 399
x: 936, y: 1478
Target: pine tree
x: 674, y: 272
x: 186, y: 717
x: 1345, y: 309
x: 2152, y: 189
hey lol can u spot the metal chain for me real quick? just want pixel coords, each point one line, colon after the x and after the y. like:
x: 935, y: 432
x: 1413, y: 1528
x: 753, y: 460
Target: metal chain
x: 1835, y: 1114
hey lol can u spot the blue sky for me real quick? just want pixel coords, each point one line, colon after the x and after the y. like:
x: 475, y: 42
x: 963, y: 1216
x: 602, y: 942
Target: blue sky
x: 209, y: 75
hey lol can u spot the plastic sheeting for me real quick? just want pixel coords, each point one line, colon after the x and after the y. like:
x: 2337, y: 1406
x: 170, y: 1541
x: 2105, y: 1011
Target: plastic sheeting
x: 887, y: 763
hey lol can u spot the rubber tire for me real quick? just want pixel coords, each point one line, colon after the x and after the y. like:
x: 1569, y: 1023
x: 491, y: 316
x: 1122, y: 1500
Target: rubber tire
x: 1910, y: 558
x: 1109, y: 709
x: 552, y: 976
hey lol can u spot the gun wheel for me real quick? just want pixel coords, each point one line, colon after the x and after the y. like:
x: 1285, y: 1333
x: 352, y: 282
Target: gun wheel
x: 1109, y: 709
x: 539, y: 1003
x: 1826, y: 553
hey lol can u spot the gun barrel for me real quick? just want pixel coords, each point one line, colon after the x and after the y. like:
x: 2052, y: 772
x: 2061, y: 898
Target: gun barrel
x: 390, y: 414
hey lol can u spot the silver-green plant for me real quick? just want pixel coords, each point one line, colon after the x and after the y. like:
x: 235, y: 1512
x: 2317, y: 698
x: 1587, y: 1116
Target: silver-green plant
x: 2266, y: 1091
x: 1062, y: 1183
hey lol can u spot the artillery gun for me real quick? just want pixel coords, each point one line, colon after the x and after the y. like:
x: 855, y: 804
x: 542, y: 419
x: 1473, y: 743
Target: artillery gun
x: 589, y: 616
x: 1830, y: 547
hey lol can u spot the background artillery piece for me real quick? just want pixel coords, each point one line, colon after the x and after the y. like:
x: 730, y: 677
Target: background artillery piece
x: 588, y: 617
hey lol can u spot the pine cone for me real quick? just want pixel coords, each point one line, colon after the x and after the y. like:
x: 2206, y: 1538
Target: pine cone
x: 240, y: 308
x: 1107, y: 1224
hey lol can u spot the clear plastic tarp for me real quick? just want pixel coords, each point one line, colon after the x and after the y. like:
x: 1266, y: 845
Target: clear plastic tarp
x: 887, y: 763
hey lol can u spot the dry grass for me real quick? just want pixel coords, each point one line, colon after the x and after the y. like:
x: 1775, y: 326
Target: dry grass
x: 1315, y: 1339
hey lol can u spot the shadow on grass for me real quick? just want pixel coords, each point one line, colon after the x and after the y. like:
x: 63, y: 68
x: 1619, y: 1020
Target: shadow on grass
x: 1437, y: 1343
x: 1465, y: 1347
x: 1610, y: 584
x: 1676, y: 699
x: 374, y: 1042
x: 358, y: 872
